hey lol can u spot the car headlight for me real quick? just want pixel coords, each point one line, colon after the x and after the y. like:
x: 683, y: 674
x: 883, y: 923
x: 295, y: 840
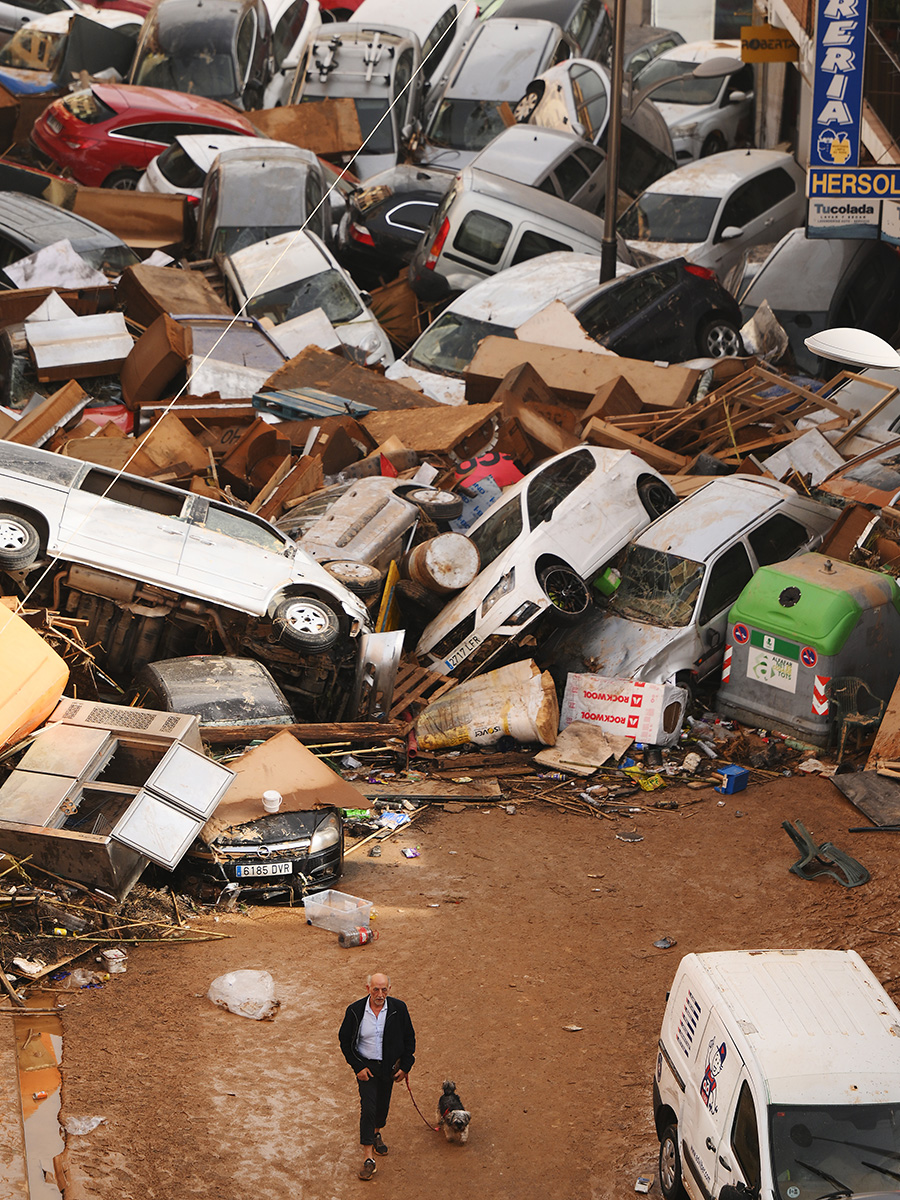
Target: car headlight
x: 684, y: 130
x: 328, y: 834
x: 503, y: 588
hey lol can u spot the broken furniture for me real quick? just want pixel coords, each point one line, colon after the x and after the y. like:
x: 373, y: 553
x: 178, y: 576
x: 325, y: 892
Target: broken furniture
x: 826, y: 859
x: 104, y: 789
x: 852, y: 706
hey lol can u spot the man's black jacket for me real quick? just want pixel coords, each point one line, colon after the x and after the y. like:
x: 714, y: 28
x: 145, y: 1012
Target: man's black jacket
x: 399, y: 1046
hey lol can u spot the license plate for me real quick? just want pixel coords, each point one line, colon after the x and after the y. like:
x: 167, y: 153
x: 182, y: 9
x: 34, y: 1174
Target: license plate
x: 250, y: 870
x: 462, y: 652
x: 54, y: 123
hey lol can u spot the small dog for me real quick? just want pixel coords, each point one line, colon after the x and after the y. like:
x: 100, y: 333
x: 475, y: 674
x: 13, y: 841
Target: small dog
x: 452, y: 1116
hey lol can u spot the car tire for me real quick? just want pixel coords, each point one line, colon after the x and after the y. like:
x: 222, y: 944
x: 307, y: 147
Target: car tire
x: 529, y: 102
x: 438, y: 505
x: 687, y: 680
x: 425, y: 603
x: 358, y: 577
x: 714, y: 144
x: 124, y: 180
x: 307, y: 623
x: 656, y: 496
x: 670, y: 1165
x: 20, y: 543
x: 566, y: 591
x: 720, y: 338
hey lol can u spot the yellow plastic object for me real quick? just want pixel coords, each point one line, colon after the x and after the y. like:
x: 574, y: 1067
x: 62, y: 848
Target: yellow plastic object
x: 32, y: 678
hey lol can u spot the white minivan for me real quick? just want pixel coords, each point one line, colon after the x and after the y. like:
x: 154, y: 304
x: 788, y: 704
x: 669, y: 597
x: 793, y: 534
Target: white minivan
x: 778, y: 1078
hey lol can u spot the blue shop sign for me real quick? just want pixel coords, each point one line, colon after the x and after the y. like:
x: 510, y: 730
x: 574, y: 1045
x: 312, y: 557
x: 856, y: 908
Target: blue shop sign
x: 837, y: 83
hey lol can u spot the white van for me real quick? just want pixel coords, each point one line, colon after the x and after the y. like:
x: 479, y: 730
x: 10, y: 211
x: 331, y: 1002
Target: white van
x: 778, y: 1078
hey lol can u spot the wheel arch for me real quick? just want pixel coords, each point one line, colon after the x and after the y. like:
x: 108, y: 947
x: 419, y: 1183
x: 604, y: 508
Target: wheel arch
x: 663, y: 1118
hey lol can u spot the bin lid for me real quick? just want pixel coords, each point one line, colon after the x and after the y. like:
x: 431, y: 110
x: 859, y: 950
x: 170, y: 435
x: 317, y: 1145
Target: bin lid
x: 813, y: 600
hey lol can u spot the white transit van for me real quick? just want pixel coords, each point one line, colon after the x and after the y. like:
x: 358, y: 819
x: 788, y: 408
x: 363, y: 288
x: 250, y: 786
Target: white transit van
x: 778, y: 1078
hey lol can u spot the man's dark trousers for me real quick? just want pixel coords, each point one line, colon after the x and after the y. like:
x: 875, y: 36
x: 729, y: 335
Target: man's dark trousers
x: 374, y: 1100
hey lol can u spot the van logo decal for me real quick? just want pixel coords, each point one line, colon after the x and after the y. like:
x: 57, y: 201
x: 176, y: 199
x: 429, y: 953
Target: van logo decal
x: 715, y: 1060
x: 687, y: 1023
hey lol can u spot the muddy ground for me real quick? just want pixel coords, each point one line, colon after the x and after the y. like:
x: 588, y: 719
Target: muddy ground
x: 503, y: 932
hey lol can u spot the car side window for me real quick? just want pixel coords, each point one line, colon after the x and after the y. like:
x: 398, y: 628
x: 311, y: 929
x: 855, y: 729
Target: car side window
x: 438, y: 41
x: 590, y: 158
x: 639, y: 59
x: 624, y: 300
x: 414, y: 215
x: 776, y: 539
x: 775, y: 186
x: 740, y: 81
x: 741, y: 207
x: 482, y: 236
x: 245, y: 39
x: 555, y: 483
x: 149, y: 132
x: 579, y: 25
x: 402, y: 76
x: 316, y: 211
x: 725, y: 581
x: 10, y: 251
x: 745, y: 1137
x: 591, y: 100
x: 571, y: 175
x: 125, y: 491
x: 531, y: 244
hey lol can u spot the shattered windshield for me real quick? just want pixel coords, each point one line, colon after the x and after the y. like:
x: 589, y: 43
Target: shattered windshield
x: 498, y: 531
x: 466, y: 124
x: 448, y: 345
x: 681, y: 91
x: 818, y: 1150
x: 657, y: 587
x: 327, y: 290
x: 660, y: 217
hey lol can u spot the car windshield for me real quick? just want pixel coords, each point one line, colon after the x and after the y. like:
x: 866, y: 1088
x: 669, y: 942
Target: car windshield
x: 657, y: 587
x: 499, y: 530
x: 466, y: 124
x: 376, y: 126
x: 34, y: 50
x: 448, y: 345
x: 231, y: 238
x: 679, y: 91
x: 328, y: 290
x: 178, y: 168
x: 660, y: 217
x: 111, y: 259
x: 204, y: 73
x: 818, y: 1150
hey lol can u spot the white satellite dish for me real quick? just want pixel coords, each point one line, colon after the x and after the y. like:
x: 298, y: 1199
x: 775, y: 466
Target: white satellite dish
x: 853, y: 346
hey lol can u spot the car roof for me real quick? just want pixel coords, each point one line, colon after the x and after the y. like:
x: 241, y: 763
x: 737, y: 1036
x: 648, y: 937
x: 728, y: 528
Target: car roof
x: 713, y: 515
x: 637, y: 36
x: 512, y: 296
x: 205, y: 148
x: 252, y: 157
x: 501, y: 57
x: 524, y: 153
x: 543, y: 10
x: 133, y: 99
x: 216, y: 20
x: 698, y: 52
x: 803, y: 273
x: 37, y: 223
x: 420, y: 17
x: 280, y: 260
x: 718, y: 174
x: 521, y: 195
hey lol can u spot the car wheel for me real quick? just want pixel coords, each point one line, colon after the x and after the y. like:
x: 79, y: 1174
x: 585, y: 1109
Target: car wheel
x: 566, y: 591
x: 656, y: 496
x: 19, y: 542
x: 307, y: 623
x: 361, y: 578
x: 438, y: 505
x: 714, y: 144
x: 670, y: 1166
x: 124, y: 180
x: 719, y: 338
x: 529, y: 102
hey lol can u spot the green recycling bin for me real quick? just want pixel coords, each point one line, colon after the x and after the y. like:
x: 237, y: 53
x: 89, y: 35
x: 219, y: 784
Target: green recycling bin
x: 797, y: 625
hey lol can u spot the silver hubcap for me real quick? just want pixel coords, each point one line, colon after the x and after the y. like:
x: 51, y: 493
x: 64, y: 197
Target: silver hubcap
x: 12, y: 536
x: 667, y: 1165
x: 307, y: 618
x: 722, y: 342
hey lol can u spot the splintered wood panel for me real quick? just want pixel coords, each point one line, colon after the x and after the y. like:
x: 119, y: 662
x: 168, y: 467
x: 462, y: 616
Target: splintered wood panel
x: 317, y: 368
x: 427, y: 430
x: 323, y: 126
x: 145, y: 220
x: 874, y: 795
x: 147, y: 292
x: 415, y: 687
x: 168, y: 443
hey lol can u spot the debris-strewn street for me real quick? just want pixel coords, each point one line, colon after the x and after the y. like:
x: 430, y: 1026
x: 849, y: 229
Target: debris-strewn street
x: 504, y: 931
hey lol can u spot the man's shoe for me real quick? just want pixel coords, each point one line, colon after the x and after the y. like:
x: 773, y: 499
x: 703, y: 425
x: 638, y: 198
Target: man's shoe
x: 367, y: 1170
x: 380, y: 1147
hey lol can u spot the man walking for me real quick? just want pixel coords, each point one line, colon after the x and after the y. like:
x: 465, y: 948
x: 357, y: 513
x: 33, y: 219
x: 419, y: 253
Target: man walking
x: 378, y: 1041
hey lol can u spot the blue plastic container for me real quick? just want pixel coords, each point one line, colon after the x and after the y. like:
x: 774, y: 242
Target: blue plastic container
x: 734, y: 779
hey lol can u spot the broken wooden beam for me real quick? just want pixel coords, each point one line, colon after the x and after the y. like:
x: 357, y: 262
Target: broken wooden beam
x: 346, y: 731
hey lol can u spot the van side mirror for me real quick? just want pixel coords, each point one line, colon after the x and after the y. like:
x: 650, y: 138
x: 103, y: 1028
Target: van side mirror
x: 713, y: 639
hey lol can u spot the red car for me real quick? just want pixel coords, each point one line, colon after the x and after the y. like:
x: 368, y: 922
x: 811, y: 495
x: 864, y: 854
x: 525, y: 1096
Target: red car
x: 106, y: 135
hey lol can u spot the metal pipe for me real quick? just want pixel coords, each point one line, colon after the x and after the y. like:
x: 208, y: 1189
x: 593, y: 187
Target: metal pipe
x: 613, y: 148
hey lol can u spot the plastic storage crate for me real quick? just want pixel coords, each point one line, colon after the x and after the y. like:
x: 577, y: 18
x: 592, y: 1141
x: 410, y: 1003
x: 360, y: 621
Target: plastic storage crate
x: 336, y: 910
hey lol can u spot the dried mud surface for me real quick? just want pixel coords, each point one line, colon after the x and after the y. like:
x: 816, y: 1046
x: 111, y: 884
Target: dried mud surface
x: 506, y: 930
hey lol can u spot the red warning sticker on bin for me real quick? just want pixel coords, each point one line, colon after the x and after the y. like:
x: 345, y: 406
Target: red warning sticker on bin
x: 741, y: 634
x: 808, y: 656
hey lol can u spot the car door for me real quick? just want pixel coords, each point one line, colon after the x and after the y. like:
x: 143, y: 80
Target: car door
x: 738, y: 1154
x: 727, y: 575
x: 707, y: 1114
x: 760, y: 209
x: 634, y: 316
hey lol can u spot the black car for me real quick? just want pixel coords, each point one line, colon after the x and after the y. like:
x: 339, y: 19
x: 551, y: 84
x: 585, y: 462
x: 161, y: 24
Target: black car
x: 220, y: 49
x: 28, y: 224
x: 670, y: 311
x: 387, y: 219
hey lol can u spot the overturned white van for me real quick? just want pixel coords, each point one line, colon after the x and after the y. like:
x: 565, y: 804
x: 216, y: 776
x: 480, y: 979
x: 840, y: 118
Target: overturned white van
x: 778, y: 1077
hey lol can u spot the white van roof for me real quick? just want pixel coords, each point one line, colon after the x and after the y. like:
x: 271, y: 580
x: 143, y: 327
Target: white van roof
x: 808, y: 1015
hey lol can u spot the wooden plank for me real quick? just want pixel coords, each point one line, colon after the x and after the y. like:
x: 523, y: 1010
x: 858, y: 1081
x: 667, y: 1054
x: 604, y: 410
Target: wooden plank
x: 327, y: 127
x: 601, y: 433
x: 887, y: 739
x: 346, y: 731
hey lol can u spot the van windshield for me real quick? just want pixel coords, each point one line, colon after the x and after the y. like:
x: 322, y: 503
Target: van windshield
x: 818, y: 1149
x: 657, y: 587
x: 448, y: 345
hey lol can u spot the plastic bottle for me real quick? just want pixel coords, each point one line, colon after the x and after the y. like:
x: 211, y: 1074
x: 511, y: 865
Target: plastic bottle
x: 358, y: 936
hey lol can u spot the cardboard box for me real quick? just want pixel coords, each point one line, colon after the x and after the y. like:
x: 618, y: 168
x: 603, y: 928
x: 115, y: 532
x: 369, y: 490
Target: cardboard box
x: 157, y: 358
x: 647, y: 712
x: 146, y: 293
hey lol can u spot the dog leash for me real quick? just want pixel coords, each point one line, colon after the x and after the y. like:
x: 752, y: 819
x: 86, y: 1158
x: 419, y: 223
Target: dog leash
x: 433, y: 1128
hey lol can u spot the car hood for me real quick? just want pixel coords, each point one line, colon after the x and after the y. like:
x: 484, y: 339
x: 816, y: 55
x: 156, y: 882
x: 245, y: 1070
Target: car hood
x: 619, y: 649
x: 682, y: 114
x: 274, y: 827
